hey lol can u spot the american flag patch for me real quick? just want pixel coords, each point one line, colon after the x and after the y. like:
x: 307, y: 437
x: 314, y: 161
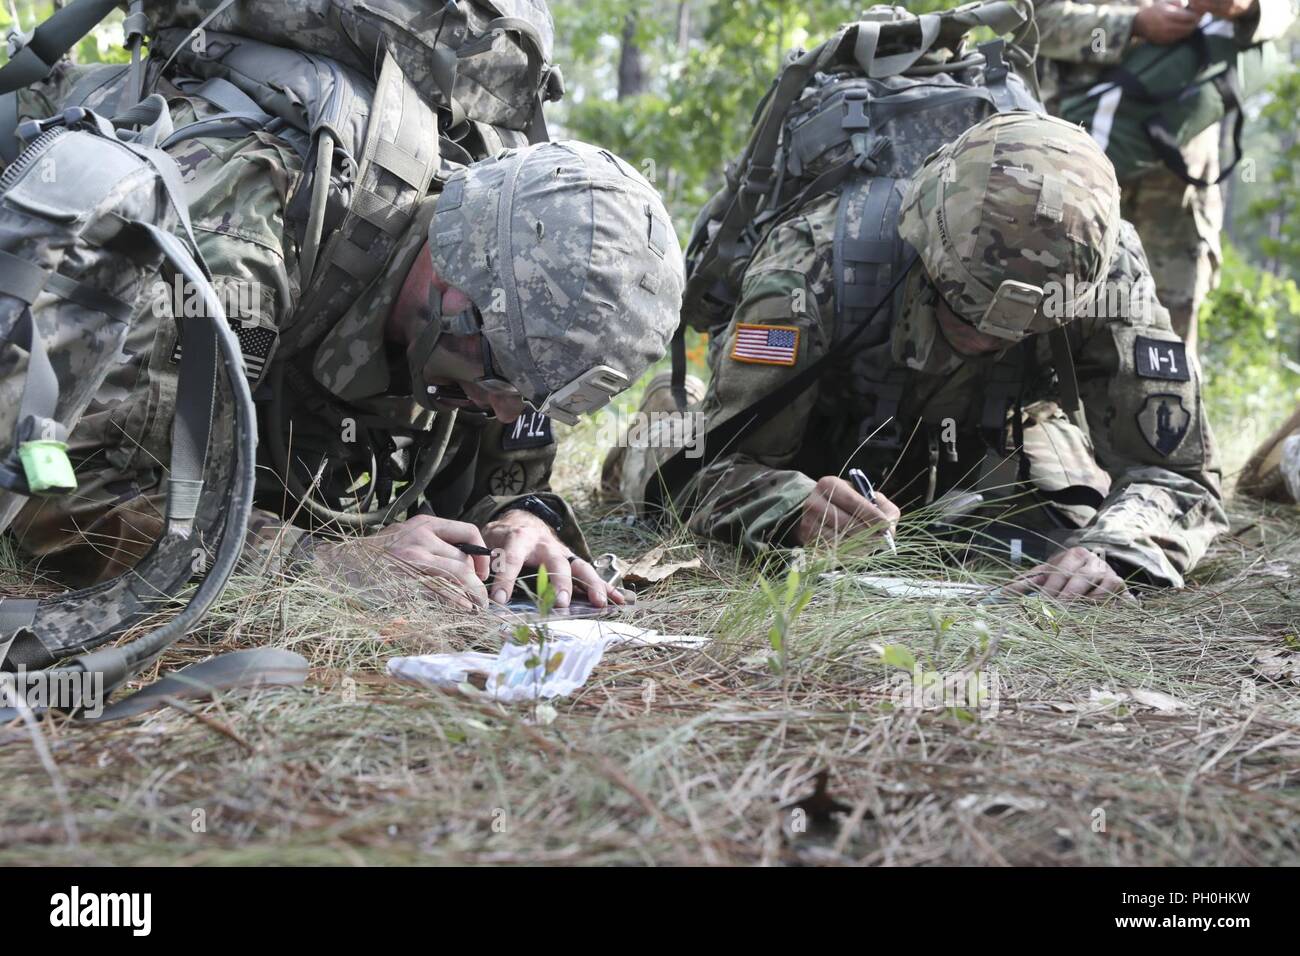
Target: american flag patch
x: 255, y: 342
x: 766, y: 344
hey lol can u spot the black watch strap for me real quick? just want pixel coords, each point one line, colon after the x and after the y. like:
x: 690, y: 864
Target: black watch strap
x: 535, y: 505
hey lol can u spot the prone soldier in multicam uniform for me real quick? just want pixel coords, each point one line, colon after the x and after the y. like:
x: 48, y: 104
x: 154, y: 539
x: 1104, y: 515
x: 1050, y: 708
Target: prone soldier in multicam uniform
x: 1023, y: 268
x: 1180, y: 224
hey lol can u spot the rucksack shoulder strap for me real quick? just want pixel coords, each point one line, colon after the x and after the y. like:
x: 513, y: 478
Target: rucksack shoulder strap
x: 400, y: 159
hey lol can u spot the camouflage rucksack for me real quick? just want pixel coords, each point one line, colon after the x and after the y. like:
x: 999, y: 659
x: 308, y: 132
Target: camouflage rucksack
x: 90, y: 219
x: 874, y: 99
x: 382, y: 92
x: 857, y: 115
x: 482, y: 60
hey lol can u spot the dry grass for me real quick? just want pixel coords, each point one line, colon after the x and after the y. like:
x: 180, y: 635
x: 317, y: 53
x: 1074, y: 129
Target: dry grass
x: 705, y: 768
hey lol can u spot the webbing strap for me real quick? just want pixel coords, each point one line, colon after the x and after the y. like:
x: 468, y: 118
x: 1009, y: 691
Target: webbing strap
x: 867, y: 246
x: 40, y: 398
x: 10, y: 146
x: 674, y: 473
x: 16, y: 615
x: 1165, y: 144
x: 1063, y: 360
x: 202, y: 25
x: 21, y: 279
x: 228, y: 97
x: 88, y: 297
x: 995, y: 75
x: 135, y: 27
x: 864, y: 48
x: 402, y: 143
x: 406, y: 167
x: 51, y: 41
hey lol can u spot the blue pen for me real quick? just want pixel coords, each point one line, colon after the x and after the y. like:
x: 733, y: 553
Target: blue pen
x: 863, y: 484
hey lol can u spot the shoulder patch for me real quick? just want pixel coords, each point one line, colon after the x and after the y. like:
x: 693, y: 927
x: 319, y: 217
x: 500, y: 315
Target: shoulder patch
x: 1163, y: 422
x: 529, y: 430
x: 507, y: 480
x: 1156, y: 358
x: 766, y: 344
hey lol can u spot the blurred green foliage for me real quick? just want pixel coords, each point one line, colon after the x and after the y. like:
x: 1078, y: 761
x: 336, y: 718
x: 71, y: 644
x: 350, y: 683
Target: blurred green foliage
x: 102, y: 46
x: 707, y: 64
x: 1249, y: 331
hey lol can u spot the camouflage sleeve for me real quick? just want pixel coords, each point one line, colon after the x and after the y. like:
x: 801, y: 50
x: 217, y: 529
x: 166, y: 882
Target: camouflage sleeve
x: 752, y: 497
x: 1081, y: 32
x: 515, y: 460
x: 43, y: 99
x: 1142, y: 393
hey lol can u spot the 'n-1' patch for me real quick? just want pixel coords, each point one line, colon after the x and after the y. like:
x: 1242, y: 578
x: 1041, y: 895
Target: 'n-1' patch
x: 1163, y: 422
x: 1155, y: 358
x: 766, y: 344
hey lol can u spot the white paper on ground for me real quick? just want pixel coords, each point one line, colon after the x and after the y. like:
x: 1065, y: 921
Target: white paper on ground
x: 509, y: 678
x: 913, y: 587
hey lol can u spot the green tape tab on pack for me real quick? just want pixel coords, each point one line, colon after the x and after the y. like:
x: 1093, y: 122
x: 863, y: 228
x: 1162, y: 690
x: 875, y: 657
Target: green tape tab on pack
x: 47, y: 467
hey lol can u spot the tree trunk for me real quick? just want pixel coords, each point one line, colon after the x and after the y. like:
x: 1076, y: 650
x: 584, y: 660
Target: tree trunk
x: 683, y: 25
x: 631, y: 68
x: 1229, y: 186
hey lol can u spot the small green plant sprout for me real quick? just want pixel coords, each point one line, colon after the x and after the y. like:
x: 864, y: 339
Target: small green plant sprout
x: 543, y: 662
x: 786, y: 608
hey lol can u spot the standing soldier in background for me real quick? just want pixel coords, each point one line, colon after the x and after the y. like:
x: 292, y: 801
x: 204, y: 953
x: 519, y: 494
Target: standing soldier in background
x: 1179, y: 224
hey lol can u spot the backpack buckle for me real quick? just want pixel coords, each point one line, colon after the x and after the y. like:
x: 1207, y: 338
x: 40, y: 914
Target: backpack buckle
x: 28, y: 130
x: 856, y: 114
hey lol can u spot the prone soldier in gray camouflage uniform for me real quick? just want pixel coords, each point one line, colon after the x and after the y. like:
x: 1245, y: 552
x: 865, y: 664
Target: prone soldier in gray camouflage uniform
x: 528, y: 286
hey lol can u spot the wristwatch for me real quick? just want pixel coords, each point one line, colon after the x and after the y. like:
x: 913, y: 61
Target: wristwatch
x: 536, y: 506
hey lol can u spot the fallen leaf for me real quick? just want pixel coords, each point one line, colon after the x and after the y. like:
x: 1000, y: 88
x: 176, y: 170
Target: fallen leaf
x: 651, y: 568
x: 1278, y: 665
x: 1157, y: 701
x: 999, y: 803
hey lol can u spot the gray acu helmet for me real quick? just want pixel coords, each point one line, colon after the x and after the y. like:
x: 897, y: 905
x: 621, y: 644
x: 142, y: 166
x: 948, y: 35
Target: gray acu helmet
x: 571, y: 258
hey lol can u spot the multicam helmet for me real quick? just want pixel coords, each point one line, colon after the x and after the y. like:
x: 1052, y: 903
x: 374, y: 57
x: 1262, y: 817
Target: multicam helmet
x: 1018, y: 205
x: 572, y: 264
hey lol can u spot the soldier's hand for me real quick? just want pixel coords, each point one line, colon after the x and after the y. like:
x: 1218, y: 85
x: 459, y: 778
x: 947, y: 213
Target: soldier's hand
x: 1071, y: 575
x: 524, y: 540
x: 424, y: 546
x: 1164, y: 22
x: 1224, y: 9
x: 834, y: 511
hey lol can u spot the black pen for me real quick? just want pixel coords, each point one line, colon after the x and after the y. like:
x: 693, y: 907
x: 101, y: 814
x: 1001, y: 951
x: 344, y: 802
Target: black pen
x: 863, y: 484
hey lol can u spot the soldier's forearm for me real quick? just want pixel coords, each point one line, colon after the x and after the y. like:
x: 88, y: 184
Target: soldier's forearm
x: 1160, y: 529
x: 744, y: 502
x: 1084, y: 32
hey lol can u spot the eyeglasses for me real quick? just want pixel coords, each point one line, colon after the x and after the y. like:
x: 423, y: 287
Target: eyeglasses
x: 589, y: 392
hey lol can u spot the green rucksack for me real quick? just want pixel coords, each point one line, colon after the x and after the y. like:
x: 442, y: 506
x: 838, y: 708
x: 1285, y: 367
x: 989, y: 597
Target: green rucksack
x: 1143, y: 111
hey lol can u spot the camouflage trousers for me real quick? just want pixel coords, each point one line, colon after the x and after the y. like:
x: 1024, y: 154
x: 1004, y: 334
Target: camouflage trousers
x: 1180, y: 227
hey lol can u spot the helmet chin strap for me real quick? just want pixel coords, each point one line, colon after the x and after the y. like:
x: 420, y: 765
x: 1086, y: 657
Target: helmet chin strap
x: 420, y: 351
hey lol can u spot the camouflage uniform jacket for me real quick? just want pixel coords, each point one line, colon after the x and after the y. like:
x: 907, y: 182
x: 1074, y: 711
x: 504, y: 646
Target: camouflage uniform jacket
x: 1140, y: 391
x: 238, y: 189
x: 1081, y: 38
